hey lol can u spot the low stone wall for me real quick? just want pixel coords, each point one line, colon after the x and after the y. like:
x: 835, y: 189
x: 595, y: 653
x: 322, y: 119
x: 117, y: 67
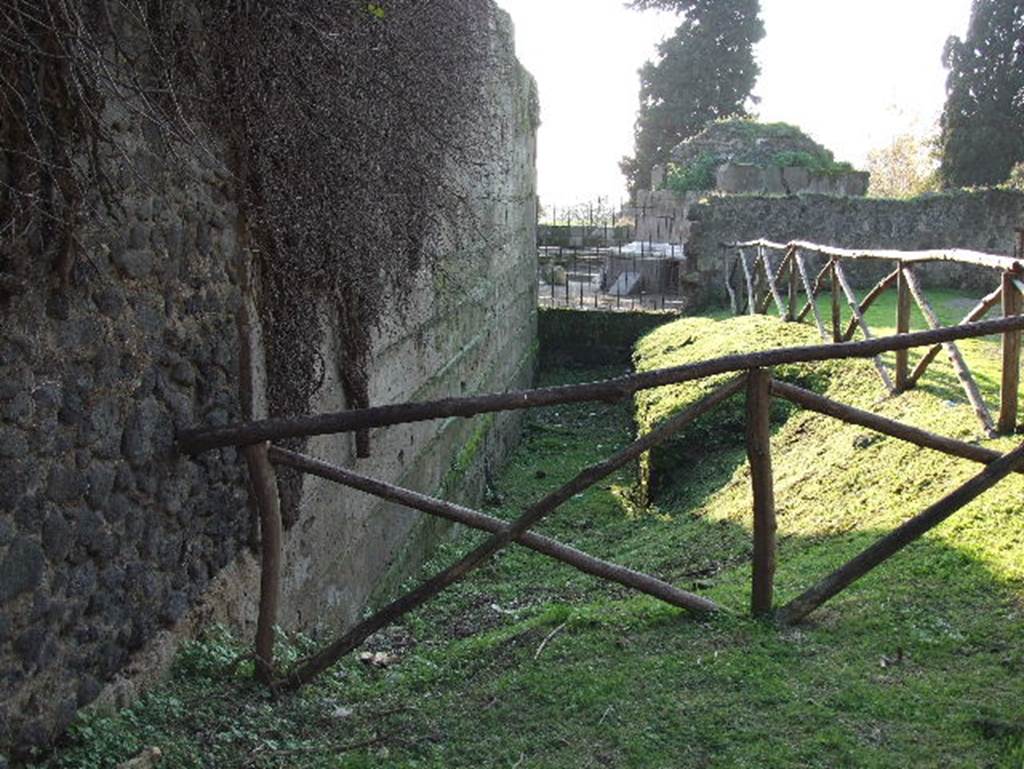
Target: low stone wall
x: 982, y: 220
x: 588, y: 338
x: 751, y: 179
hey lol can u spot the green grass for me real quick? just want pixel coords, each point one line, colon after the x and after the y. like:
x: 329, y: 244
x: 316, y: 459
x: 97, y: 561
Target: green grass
x: 531, y: 664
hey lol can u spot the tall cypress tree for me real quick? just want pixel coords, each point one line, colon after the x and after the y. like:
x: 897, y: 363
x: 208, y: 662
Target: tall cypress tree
x: 705, y: 71
x: 983, y: 122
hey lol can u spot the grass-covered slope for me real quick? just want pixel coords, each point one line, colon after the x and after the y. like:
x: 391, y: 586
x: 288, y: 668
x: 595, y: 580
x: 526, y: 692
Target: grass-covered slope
x: 530, y: 664
x: 690, y: 340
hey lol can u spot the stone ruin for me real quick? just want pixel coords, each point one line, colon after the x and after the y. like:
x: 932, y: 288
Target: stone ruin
x: 751, y: 158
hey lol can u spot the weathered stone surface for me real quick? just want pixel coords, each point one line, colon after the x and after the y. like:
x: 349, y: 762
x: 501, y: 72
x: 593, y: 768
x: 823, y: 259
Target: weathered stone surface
x: 737, y: 178
x: 21, y: 568
x: 773, y: 184
x: 113, y: 537
x: 796, y: 179
x: 19, y: 409
x: 110, y: 302
x: 13, y: 442
x: 104, y: 426
x: 47, y: 397
x: 57, y: 536
x: 135, y: 263
x: 100, y: 478
x: 140, y: 432
x: 30, y: 645
x: 11, y: 387
x: 65, y: 484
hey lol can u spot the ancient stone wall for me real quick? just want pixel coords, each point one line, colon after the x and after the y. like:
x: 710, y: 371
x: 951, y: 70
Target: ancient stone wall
x: 981, y: 220
x: 751, y: 179
x: 113, y: 547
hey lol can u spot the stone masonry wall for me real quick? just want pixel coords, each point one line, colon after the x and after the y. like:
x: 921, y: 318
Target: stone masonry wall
x: 114, y: 548
x: 983, y: 221
x: 106, y: 536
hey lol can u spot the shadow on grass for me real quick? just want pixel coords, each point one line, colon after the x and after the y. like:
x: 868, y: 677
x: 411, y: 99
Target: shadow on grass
x: 528, y: 663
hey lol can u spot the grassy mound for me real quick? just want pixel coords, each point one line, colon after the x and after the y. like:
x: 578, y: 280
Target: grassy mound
x: 690, y: 340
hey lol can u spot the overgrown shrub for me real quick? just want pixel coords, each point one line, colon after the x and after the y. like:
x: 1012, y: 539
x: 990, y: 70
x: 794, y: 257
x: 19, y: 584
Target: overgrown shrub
x: 694, y: 177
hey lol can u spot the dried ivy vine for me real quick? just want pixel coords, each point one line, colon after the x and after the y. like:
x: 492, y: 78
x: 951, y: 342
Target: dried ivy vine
x: 343, y: 121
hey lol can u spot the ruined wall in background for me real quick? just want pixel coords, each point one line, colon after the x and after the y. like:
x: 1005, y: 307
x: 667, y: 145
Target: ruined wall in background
x: 113, y: 547
x: 982, y: 220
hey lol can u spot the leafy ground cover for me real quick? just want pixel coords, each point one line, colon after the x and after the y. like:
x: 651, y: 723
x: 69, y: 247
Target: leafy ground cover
x: 530, y: 664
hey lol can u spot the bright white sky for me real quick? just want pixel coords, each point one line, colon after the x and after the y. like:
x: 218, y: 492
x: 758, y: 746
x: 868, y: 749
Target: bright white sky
x: 852, y: 73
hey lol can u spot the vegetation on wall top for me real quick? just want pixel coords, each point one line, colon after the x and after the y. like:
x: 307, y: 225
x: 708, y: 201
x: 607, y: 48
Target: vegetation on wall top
x: 705, y: 71
x: 744, y: 140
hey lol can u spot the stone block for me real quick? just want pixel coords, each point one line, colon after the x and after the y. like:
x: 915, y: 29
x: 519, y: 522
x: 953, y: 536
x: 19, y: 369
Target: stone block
x: 796, y: 179
x: 21, y: 568
x: 19, y: 409
x: 773, y: 183
x: 739, y: 178
x: 13, y: 443
x: 100, y: 485
x: 58, y: 537
x: 855, y: 184
x: 135, y: 263
x: 65, y: 484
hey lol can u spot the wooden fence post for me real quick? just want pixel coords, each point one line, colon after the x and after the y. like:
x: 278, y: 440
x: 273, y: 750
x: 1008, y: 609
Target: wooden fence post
x: 1010, y: 391
x: 837, y: 317
x: 264, y: 488
x: 902, y: 327
x: 759, y: 453
x: 794, y: 286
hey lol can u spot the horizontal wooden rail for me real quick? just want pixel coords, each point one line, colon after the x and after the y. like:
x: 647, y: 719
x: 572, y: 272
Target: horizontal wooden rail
x: 477, y: 520
x: 884, y: 425
x: 910, y: 531
x: 198, y: 440
x: 307, y: 669
x: 959, y: 255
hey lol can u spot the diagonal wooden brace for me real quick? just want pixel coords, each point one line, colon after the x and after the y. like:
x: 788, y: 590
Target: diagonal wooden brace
x: 308, y: 669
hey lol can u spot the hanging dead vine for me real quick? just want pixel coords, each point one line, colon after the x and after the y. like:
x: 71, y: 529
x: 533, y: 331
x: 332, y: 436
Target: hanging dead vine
x: 343, y: 120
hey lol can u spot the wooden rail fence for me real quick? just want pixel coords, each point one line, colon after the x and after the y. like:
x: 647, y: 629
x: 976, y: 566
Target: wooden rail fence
x: 762, y: 277
x: 752, y: 376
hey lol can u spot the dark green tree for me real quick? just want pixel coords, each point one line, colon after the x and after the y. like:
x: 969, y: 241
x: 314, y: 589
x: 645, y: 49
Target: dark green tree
x: 982, y: 126
x: 704, y: 71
